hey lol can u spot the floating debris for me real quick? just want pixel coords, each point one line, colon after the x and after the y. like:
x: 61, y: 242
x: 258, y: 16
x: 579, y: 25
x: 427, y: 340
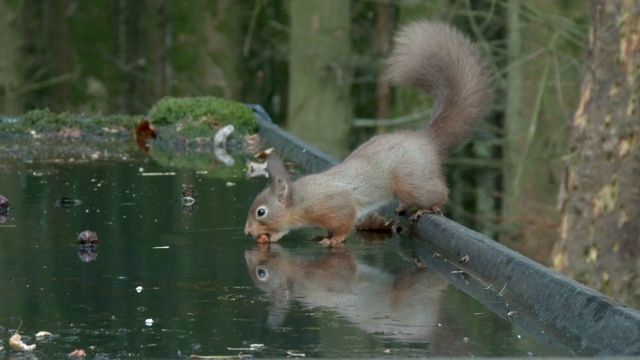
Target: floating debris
x: 87, y: 237
x: 139, y: 289
x: 239, y: 356
x: 189, y: 191
x: 15, y: 342
x: 255, y: 169
x: 148, y: 322
x: 67, y: 203
x: 168, y: 173
x: 189, y: 195
x: 188, y: 201
x: 43, y: 335
x: 252, y: 347
x: 295, y: 353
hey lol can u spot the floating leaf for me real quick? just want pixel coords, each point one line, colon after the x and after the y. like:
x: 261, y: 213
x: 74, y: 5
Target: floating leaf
x: 78, y: 353
x: 16, y: 343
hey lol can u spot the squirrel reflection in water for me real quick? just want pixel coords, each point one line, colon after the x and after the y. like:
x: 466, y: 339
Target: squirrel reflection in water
x: 402, y: 306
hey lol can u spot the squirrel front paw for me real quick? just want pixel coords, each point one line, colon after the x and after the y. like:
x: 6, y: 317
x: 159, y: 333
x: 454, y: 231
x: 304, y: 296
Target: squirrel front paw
x: 329, y: 241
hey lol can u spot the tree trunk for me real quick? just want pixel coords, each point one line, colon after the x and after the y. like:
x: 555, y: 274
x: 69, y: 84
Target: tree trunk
x: 132, y: 59
x: 159, y: 48
x: 600, y: 233
x: 10, y: 79
x: 320, y: 106
x: 60, y: 52
x: 383, y: 38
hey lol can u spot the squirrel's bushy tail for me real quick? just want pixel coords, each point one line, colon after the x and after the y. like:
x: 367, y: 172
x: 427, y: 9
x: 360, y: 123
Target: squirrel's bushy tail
x: 439, y: 59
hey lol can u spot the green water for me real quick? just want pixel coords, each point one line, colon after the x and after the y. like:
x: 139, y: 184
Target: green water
x: 205, y: 287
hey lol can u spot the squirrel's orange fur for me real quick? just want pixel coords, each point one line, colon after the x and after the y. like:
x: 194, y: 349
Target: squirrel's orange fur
x: 404, y: 165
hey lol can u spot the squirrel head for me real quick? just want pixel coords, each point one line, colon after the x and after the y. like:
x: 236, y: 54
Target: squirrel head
x: 269, y: 213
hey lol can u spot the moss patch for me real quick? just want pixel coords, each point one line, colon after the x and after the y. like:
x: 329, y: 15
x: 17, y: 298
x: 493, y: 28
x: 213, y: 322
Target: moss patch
x: 202, y: 116
x: 47, y: 121
x: 187, y: 117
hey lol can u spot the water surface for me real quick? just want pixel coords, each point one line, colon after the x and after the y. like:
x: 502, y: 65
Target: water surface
x: 168, y: 281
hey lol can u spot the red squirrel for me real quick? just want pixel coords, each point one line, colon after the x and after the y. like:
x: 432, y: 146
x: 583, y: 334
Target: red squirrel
x: 404, y: 165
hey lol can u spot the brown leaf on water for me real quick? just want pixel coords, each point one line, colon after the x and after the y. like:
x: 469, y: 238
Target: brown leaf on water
x: 77, y: 353
x: 264, y: 154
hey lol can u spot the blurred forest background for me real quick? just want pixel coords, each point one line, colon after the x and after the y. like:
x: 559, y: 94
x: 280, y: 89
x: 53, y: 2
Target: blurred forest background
x: 316, y: 67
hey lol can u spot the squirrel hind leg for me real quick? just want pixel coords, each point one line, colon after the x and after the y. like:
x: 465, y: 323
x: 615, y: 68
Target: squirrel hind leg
x: 426, y: 196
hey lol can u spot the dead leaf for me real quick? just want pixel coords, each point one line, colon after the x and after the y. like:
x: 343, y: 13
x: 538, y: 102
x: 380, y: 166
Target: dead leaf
x: 77, y: 353
x: 263, y: 154
x: 16, y: 343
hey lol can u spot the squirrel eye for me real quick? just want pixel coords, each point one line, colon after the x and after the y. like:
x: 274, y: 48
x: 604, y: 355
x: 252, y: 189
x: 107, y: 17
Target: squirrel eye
x: 262, y: 273
x: 262, y: 211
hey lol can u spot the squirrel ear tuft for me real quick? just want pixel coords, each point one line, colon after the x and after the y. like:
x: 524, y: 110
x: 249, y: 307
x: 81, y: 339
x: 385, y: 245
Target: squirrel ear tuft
x: 280, y: 188
x: 276, y: 168
x: 279, y: 179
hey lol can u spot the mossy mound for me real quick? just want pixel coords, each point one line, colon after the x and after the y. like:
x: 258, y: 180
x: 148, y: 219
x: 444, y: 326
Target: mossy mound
x: 202, y: 116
